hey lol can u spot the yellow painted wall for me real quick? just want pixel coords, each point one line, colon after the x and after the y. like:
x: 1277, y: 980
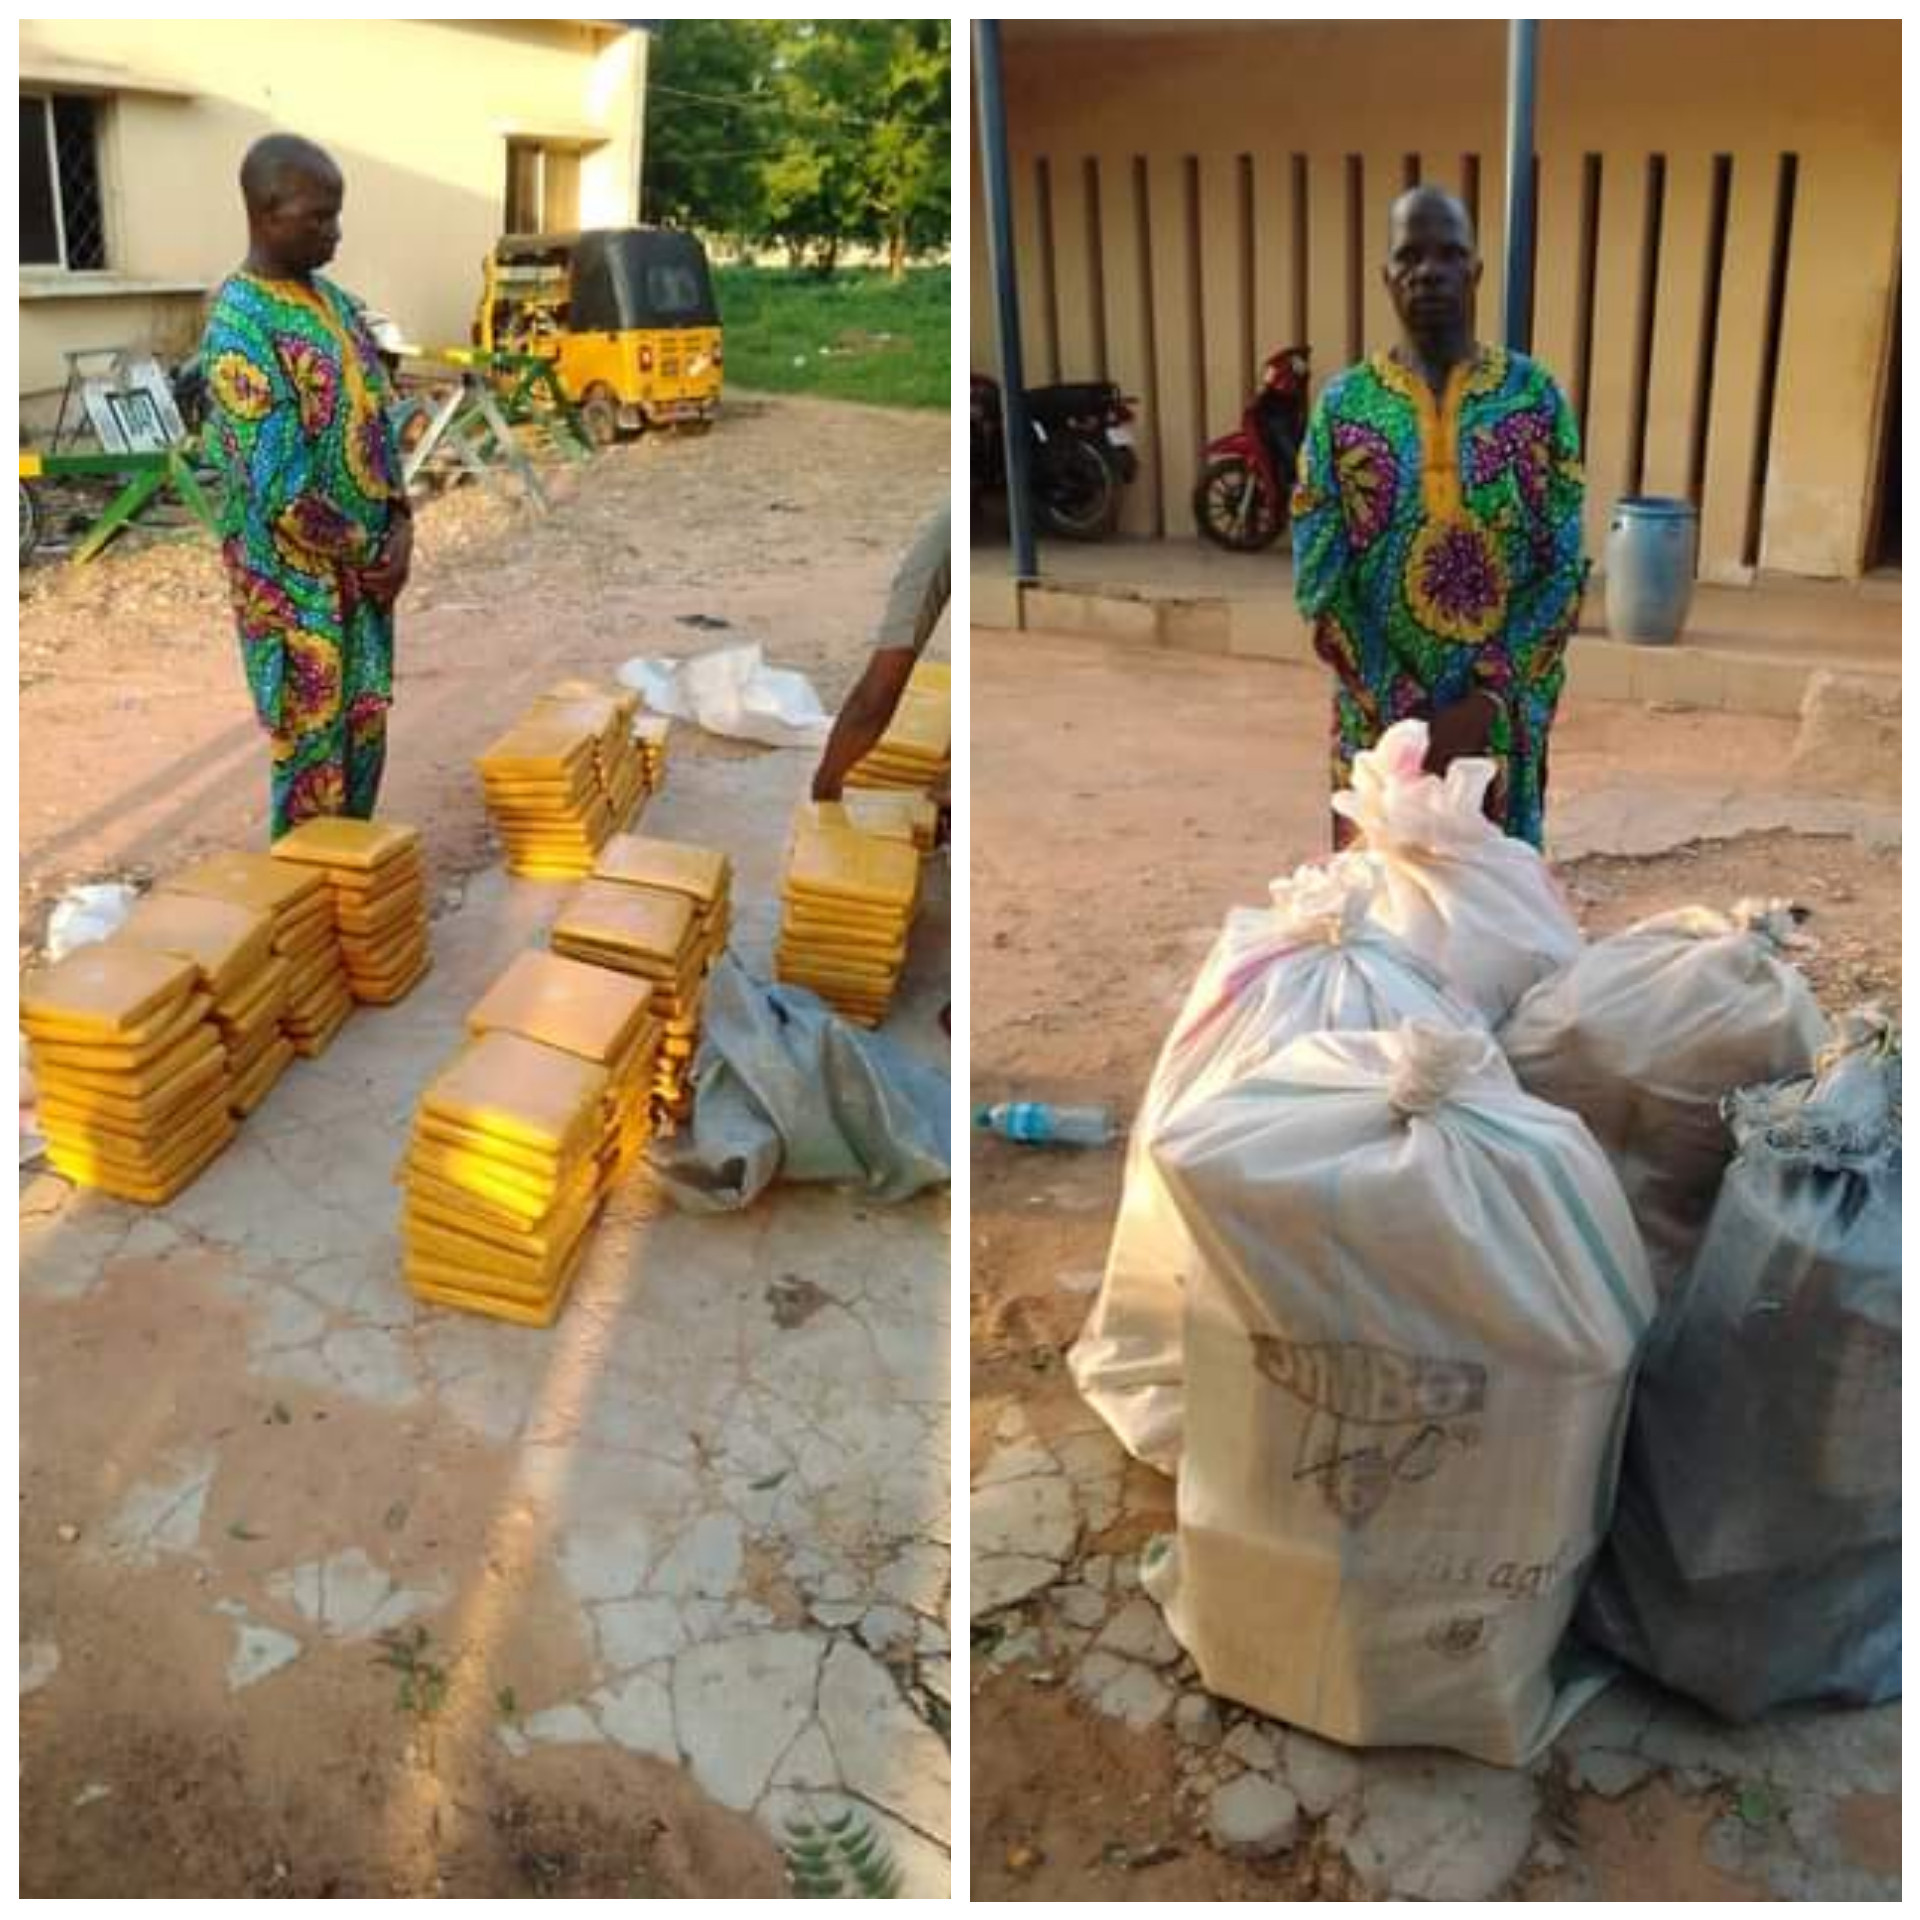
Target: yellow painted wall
x: 417, y: 113
x: 1236, y: 102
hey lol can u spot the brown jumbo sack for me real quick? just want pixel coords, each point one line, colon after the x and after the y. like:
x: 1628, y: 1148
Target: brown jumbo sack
x: 1648, y: 1032
x: 1409, y: 1345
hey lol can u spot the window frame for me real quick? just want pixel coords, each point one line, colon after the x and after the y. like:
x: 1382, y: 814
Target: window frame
x: 47, y: 96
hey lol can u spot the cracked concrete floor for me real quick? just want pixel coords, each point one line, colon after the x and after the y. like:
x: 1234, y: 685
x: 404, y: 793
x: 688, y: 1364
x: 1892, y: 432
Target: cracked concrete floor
x: 700, y: 1525
x: 1188, y: 781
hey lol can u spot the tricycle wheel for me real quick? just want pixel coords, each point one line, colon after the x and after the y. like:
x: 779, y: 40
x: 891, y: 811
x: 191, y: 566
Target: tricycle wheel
x: 600, y: 415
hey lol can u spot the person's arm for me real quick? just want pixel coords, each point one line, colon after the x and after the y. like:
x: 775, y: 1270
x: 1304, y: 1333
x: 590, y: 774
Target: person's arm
x: 864, y: 718
x: 1551, y: 576
x: 1322, y: 562
x: 916, y: 599
x: 385, y: 580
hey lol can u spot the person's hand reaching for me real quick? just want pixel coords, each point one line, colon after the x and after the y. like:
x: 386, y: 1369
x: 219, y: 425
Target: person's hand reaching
x: 1464, y: 731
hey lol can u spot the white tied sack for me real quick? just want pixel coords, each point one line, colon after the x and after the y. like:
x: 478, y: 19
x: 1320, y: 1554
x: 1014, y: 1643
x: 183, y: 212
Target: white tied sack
x: 1311, y: 962
x: 1409, y: 1346
x: 1649, y: 1031
x: 1480, y: 907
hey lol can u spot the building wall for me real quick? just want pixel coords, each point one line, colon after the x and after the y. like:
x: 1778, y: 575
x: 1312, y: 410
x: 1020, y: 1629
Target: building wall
x: 1189, y: 197
x: 417, y: 113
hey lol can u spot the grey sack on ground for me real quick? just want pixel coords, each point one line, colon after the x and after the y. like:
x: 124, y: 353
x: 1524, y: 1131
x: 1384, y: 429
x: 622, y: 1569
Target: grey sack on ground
x: 785, y: 1090
x: 1755, y: 1555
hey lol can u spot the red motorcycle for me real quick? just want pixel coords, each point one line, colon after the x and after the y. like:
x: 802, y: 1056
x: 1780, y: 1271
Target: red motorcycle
x: 1244, y: 494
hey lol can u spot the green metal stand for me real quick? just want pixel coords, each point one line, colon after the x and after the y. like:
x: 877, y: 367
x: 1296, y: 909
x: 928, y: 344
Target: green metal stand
x: 145, y: 477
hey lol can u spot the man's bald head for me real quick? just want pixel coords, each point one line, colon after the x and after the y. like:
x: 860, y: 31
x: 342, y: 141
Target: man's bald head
x: 277, y: 163
x: 1425, y: 204
x: 293, y: 193
x: 1431, y: 270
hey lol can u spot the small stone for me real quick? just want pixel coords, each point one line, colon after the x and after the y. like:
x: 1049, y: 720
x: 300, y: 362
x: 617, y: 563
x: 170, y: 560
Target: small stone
x: 1080, y: 1606
x: 1023, y: 1859
x: 1549, y: 1856
x: 67, y: 1534
x: 92, y: 1791
x: 1608, y: 1773
x: 1320, y: 1773
x: 1252, y: 1748
x: 1126, y: 1575
x: 1098, y: 1572
x: 1139, y: 1631
x: 1253, y: 1818
x: 1123, y: 1690
x: 1197, y: 1720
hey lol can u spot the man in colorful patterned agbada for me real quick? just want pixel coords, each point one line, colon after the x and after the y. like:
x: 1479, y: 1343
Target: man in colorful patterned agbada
x: 317, y: 534
x: 1436, y: 529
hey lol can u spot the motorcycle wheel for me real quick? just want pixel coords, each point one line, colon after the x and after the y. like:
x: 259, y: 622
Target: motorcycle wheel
x: 1075, y: 491
x: 1232, y: 509
x: 29, y: 521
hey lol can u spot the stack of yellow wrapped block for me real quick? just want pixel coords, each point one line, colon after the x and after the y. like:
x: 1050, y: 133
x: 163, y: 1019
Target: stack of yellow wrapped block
x: 247, y: 982
x: 598, y: 1015
x: 653, y: 936
x: 610, y: 714
x: 134, y: 1093
x: 503, y: 1178
x: 848, y: 905
x: 543, y: 789
x: 378, y: 882
x: 318, y: 996
x: 887, y: 815
x: 915, y: 753
x: 703, y: 874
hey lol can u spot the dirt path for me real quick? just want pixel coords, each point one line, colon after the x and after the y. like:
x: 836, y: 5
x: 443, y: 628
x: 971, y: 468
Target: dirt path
x: 680, y: 1560
x: 782, y: 526
x: 1172, y: 787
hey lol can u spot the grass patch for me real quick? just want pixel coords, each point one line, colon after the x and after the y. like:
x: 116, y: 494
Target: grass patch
x: 858, y: 336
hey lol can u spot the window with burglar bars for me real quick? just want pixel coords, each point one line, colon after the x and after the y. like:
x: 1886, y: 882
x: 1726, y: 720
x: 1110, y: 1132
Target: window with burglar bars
x: 62, y: 216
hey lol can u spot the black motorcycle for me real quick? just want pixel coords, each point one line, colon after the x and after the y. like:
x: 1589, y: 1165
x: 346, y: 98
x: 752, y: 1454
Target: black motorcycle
x: 1082, y: 453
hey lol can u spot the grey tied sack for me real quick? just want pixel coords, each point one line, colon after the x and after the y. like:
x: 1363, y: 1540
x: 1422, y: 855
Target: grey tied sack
x: 1755, y: 1556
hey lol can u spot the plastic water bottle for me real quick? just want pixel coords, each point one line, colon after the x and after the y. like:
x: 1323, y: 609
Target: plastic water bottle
x: 1034, y: 1123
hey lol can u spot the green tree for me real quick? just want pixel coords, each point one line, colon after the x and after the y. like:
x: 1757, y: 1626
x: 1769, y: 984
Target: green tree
x: 709, y: 96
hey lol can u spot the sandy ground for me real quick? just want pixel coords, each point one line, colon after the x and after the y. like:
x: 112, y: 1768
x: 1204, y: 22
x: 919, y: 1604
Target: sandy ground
x: 681, y: 1561
x: 1173, y: 786
x: 138, y: 749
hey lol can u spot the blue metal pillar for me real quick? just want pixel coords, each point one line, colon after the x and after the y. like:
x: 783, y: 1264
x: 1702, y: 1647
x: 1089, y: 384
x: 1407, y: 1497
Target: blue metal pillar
x: 1006, y: 294
x: 1516, y: 321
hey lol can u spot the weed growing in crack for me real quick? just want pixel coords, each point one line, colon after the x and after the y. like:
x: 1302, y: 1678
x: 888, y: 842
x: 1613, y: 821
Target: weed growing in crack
x: 423, y: 1680
x: 840, y: 1858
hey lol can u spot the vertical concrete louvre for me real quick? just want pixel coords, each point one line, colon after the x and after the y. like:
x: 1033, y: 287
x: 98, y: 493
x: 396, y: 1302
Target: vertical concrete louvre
x: 1679, y: 320
x: 1731, y: 418
x: 1557, y: 240
x: 1223, y: 293
x: 1644, y: 316
x: 1712, y: 268
x: 1031, y: 256
x: 1383, y: 174
x: 1073, y: 271
x: 1096, y: 267
x: 1779, y: 254
x: 1818, y: 493
x: 1129, y: 325
x: 1327, y: 285
x: 1171, y: 268
x: 1048, y: 370
x: 1356, y: 247
x: 1250, y: 350
x: 1623, y: 210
